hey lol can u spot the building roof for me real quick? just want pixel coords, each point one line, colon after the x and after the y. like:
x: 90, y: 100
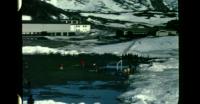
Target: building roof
x: 138, y: 30
x: 166, y: 30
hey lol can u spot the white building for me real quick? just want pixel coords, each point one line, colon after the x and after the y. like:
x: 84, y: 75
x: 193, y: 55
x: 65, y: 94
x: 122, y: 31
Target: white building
x: 172, y: 32
x: 77, y: 26
x: 80, y: 28
x: 162, y: 33
x: 166, y: 32
x: 54, y: 29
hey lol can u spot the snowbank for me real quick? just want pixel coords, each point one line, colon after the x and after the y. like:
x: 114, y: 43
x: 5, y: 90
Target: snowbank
x: 171, y: 63
x: 45, y: 102
x: 46, y: 50
x: 54, y: 102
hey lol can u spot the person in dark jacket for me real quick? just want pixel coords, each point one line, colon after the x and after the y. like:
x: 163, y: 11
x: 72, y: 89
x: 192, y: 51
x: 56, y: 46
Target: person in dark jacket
x: 30, y: 100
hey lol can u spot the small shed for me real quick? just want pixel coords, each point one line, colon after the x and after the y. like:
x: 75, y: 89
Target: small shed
x: 136, y: 32
x: 172, y: 32
x: 166, y: 32
x: 162, y: 33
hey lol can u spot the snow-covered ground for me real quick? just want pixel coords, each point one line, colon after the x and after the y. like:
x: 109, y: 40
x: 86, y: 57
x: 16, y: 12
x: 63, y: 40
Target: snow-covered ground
x: 156, y: 47
x: 126, y: 25
x: 150, y: 46
x: 156, y: 83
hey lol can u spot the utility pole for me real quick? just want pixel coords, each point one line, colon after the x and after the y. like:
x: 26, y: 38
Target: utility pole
x: 120, y: 62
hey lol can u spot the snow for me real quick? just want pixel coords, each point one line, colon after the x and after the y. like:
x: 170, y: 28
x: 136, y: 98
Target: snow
x: 112, y: 48
x: 158, y: 81
x: 147, y: 47
x: 151, y: 47
x: 148, y: 2
x: 88, y: 5
x: 93, y: 21
x: 155, y: 47
x: 45, y: 102
x: 63, y: 16
x: 131, y: 18
x: 108, y: 5
x: 54, y: 17
x: 171, y: 4
x: 46, y: 50
x: 157, y: 84
x: 161, y: 43
x: 26, y: 18
x: 171, y: 63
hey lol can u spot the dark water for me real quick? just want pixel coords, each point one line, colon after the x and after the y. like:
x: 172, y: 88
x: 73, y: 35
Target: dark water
x: 79, y: 92
x: 50, y: 85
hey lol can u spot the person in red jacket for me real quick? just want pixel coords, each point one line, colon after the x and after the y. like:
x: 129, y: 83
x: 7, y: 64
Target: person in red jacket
x: 82, y: 64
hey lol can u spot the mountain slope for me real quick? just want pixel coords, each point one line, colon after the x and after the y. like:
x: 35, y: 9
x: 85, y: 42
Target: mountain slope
x: 55, y: 11
x: 45, y: 12
x: 115, y: 5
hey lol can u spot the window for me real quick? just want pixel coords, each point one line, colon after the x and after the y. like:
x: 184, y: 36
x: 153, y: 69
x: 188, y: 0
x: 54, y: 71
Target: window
x: 71, y: 33
x: 44, y: 33
x: 75, y: 22
x: 65, y: 33
x: 58, y: 34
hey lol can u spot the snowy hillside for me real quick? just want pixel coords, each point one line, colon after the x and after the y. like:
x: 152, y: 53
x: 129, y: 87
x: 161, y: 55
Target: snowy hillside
x: 107, y: 13
x: 171, y: 4
x: 131, y: 18
x: 87, y: 5
x: 154, y: 47
x: 114, y: 5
